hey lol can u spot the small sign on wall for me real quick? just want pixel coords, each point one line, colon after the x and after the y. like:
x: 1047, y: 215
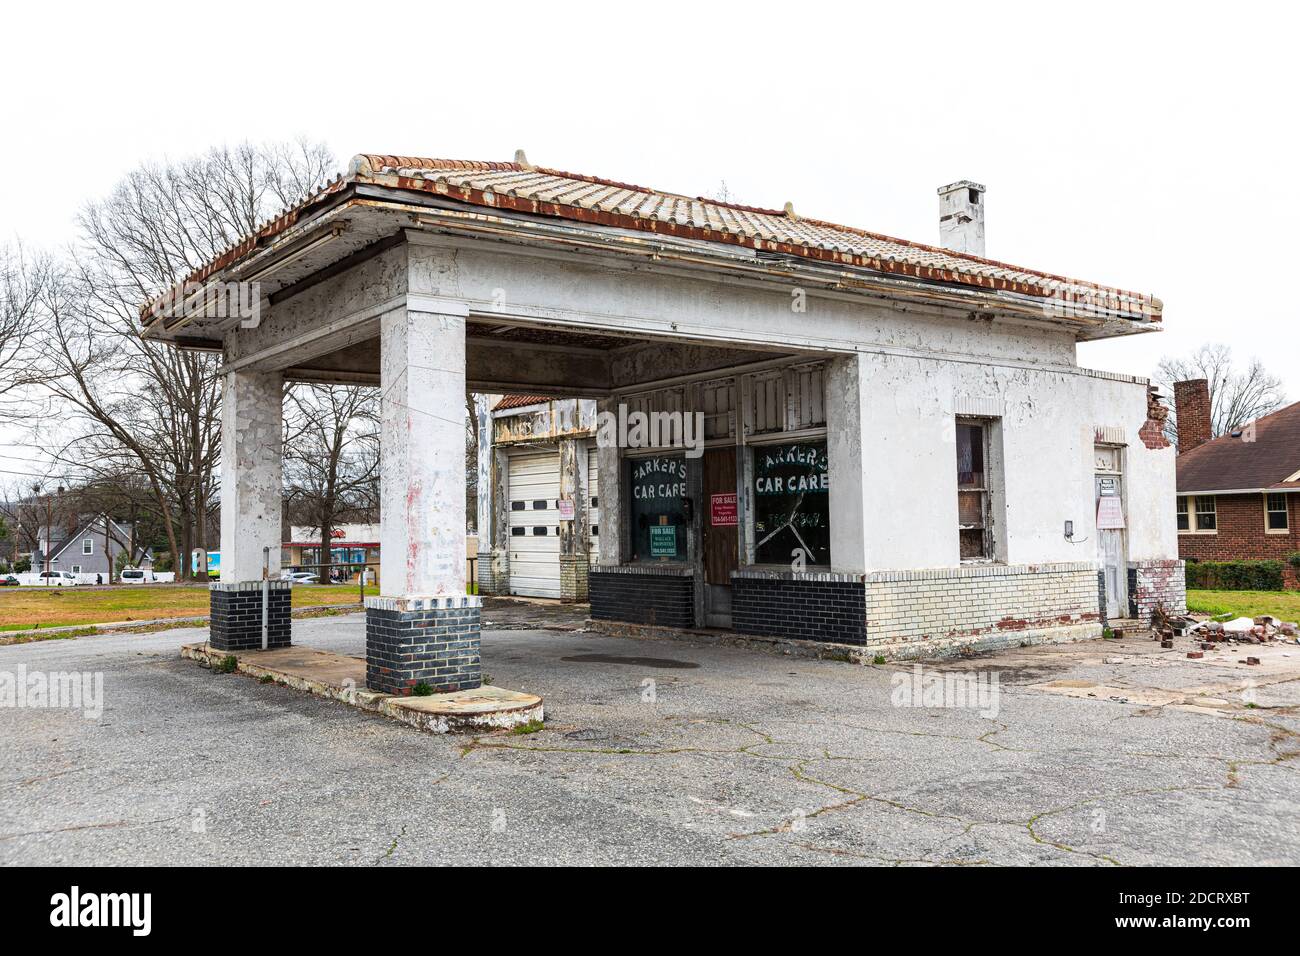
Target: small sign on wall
x: 1110, y: 515
x: 722, y: 510
x: 566, y: 508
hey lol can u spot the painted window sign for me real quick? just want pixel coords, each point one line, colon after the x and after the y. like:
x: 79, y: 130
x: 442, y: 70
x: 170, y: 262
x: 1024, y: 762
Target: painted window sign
x: 791, y: 504
x: 658, y: 490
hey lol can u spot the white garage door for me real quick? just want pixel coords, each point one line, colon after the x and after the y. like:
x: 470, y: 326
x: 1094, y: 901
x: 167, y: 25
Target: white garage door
x: 593, y: 502
x: 535, y: 525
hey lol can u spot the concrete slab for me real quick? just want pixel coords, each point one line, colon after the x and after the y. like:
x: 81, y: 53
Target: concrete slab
x: 714, y: 767
x: 482, y: 709
x: 341, y: 677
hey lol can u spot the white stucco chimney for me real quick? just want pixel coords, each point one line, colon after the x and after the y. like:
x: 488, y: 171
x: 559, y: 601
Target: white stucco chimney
x: 961, y: 217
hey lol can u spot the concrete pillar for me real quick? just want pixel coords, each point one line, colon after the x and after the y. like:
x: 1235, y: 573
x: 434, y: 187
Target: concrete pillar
x: 251, y: 492
x: 573, y: 532
x: 424, y: 628
x: 610, y: 466
x: 493, y: 566
x: 846, y: 390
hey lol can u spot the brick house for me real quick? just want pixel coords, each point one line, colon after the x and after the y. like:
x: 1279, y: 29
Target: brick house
x: 1239, y: 494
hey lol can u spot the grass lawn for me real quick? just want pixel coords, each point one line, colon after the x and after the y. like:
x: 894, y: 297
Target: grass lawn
x: 23, y: 608
x: 1283, y: 604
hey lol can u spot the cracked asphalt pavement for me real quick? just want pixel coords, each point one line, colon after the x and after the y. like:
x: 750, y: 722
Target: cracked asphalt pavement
x: 749, y: 757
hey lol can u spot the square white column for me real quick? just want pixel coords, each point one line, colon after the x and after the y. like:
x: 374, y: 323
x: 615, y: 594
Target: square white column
x: 422, y: 453
x: 846, y: 463
x: 252, y: 456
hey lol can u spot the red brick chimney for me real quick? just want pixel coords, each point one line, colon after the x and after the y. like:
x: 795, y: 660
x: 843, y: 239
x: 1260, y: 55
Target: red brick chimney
x: 1192, y: 403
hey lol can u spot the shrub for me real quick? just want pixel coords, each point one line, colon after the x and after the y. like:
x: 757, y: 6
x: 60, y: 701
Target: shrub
x: 1235, y: 575
x: 1293, y: 559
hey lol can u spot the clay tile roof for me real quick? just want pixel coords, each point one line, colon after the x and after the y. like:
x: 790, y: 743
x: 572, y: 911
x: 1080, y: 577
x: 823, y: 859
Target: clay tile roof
x: 1233, y: 464
x: 519, y: 401
x: 552, y: 192
x: 780, y: 232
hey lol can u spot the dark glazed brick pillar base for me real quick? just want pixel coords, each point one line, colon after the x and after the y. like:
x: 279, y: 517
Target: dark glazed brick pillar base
x: 236, y: 621
x: 434, y: 641
x: 814, y: 607
x: 1101, y: 597
x: 661, y: 596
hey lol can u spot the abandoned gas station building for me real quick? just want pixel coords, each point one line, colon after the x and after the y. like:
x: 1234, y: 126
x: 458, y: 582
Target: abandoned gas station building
x: 869, y: 441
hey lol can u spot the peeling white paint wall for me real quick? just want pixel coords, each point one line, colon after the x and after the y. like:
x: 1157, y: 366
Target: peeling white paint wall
x: 252, y: 463
x: 422, y: 454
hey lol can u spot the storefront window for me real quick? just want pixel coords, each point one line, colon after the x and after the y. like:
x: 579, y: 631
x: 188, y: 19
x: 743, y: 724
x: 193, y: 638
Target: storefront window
x: 792, y: 504
x: 658, y: 508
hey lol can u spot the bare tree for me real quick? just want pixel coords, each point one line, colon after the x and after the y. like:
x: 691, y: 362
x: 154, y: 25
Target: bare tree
x: 22, y: 280
x: 1236, y: 397
x: 331, y: 456
x: 137, y: 404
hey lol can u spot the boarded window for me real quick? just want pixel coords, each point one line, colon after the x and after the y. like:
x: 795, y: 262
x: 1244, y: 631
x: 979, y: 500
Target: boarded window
x: 719, y: 406
x: 792, y: 504
x: 767, y: 396
x: 972, y: 491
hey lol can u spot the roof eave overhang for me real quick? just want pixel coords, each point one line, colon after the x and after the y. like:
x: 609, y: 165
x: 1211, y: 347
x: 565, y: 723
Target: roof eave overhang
x: 414, y: 203
x: 1271, y: 490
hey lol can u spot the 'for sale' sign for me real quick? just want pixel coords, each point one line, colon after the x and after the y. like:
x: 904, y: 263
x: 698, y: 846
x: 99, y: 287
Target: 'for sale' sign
x: 722, y: 514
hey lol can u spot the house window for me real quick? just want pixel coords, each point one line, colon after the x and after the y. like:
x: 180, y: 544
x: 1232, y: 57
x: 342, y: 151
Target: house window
x: 658, y: 493
x: 1184, y: 519
x: 1275, y: 512
x: 88, y: 546
x: 1207, y: 518
x: 973, y: 491
x: 76, y: 569
x: 792, y: 504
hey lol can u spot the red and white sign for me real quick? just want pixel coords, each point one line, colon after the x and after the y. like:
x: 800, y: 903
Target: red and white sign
x: 1110, y: 514
x: 566, y: 509
x: 722, y: 510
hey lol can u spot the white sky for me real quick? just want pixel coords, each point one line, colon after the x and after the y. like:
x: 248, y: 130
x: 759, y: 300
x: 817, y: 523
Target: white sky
x: 1146, y: 146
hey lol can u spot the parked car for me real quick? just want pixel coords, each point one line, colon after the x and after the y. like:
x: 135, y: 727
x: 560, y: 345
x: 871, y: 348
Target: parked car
x: 303, y: 577
x: 56, y: 579
x: 137, y: 576
x: 8, y: 581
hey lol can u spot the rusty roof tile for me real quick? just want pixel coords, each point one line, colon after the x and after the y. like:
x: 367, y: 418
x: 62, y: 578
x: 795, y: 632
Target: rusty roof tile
x: 591, y: 199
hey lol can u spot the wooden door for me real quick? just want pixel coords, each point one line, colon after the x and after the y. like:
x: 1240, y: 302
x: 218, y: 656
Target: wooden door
x: 720, y: 534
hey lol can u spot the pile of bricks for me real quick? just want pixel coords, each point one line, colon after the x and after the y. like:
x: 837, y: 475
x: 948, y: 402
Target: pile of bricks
x: 1210, y: 635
